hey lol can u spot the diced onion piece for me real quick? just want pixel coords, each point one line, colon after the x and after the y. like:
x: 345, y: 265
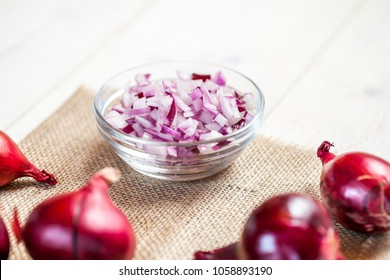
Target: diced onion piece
x: 249, y: 105
x: 156, y: 150
x: 144, y: 122
x: 188, y: 114
x: 206, y: 148
x: 203, y: 77
x: 128, y: 129
x: 140, y: 103
x: 128, y: 99
x: 228, y: 92
x: 116, y: 120
x: 211, y: 86
x: 213, y: 126
x: 150, y: 90
x: 195, y: 107
x: 188, y: 127
x: 172, y: 151
x: 219, y: 79
x: 183, y: 75
x: 206, y: 117
x: 180, y: 104
x: 226, y: 130
x: 138, y: 129
x: 209, y: 136
x: 142, y: 79
x: 196, y: 94
x: 154, y: 114
x: 168, y: 130
x: 248, y: 117
x: 186, y: 98
x: 159, y: 135
x: 117, y: 123
x: 220, y: 119
x: 152, y: 101
x: 226, y: 109
x: 184, y: 87
x: 138, y: 112
x: 119, y: 108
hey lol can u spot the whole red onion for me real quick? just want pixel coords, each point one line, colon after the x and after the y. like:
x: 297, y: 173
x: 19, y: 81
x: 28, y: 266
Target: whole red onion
x: 13, y: 164
x: 355, y: 188
x: 4, y: 241
x: 84, y: 224
x: 286, y: 227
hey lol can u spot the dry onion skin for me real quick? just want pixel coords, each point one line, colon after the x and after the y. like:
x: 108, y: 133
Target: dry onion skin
x: 4, y: 241
x: 14, y: 164
x: 355, y: 189
x: 82, y: 225
x: 290, y: 226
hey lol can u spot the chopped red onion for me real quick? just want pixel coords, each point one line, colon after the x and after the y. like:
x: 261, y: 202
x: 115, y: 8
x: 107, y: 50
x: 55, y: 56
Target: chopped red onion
x: 195, y: 107
x: 181, y: 105
x: 139, y: 103
x: 137, y: 112
x: 138, y: 129
x: 204, y: 148
x: 128, y: 99
x: 202, y: 77
x: 116, y: 120
x: 119, y: 108
x: 188, y: 114
x: 188, y: 127
x: 220, y: 119
x: 184, y: 87
x: 211, y: 86
x: 159, y: 135
x: 128, y: 129
x: 144, y: 122
x: 196, y: 93
x: 183, y: 75
x: 142, y: 79
x: 213, y: 126
x: 175, y: 134
x: 172, y: 151
x: 205, y: 117
x: 219, y: 79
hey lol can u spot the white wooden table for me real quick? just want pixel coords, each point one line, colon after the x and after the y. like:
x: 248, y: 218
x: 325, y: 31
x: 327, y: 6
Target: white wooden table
x: 324, y: 66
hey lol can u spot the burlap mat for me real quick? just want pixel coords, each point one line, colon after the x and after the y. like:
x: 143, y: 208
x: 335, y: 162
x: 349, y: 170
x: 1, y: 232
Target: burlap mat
x: 171, y: 220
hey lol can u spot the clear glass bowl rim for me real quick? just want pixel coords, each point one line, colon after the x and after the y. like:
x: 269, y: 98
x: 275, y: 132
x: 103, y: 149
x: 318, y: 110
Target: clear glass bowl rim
x: 129, y: 138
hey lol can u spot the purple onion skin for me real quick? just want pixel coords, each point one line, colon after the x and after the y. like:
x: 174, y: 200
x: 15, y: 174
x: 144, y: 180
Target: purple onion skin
x: 285, y: 227
x: 83, y: 224
x: 202, y: 77
x: 48, y: 233
x: 226, y: 253
x: 14, y: 164
x: 4, y: 241
x: 112, y: 238
x: 355, y: 188
x: 290, y: 227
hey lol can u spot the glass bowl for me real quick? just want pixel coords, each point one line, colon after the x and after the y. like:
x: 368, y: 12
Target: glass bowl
x: 184, y: 167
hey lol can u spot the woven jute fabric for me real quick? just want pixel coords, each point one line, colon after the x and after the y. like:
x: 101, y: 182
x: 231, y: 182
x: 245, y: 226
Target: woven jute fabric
x: 171, y: 220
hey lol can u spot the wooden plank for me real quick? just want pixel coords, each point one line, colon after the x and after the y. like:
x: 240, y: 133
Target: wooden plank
x: 271, y: 42
x: 32, y: 68
x: 21, y: 20
x: 345, y: 97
